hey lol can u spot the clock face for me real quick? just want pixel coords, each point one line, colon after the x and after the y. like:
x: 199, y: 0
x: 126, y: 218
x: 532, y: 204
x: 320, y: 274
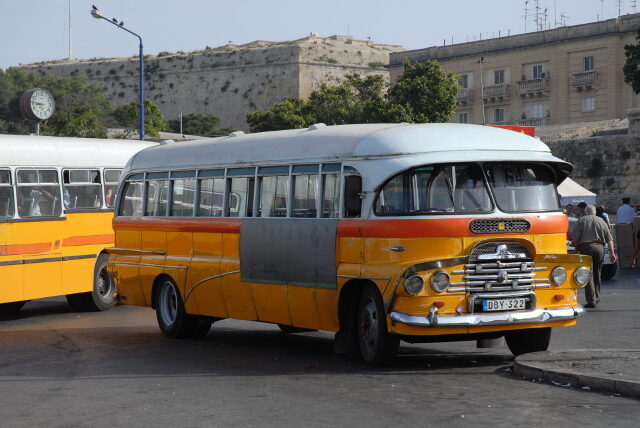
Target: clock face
x: 42, y: 104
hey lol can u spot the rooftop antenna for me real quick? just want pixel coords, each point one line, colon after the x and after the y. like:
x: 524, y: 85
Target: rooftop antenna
x: 525, y: 15
x: 619, y: 4
x: 537, y: 19
x: 545, y: 16
x: 634, y: 4
x: 563, y: 19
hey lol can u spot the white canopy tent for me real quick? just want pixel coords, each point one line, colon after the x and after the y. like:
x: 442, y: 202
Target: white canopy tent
x: 573, y: 193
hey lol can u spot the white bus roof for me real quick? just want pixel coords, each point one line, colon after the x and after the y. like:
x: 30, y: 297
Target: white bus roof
x: 438, y: 142
x: 26, y: 150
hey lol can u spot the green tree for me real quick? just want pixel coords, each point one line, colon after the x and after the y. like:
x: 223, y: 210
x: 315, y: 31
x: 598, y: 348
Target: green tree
x: 199, y: 124
x: 631, y: 68
x: 127, y: 117
x: 426, y: 91
x: 82, y: 110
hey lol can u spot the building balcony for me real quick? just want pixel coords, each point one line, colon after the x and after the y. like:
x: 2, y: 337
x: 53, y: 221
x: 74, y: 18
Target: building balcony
x: 542, y: 121
x: 464, y: 95
x: 532, y: 87
x: 584, y: 79
x: 495, y: 92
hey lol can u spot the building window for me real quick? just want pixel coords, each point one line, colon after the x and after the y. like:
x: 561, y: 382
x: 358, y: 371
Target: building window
x: 589, y: 64
x: 463, y: 117
x: 536, y: 71
x: 498, y: 115
x: 498, y: 76
x: 537, y: 111
x: 463, y: 81
x: 589, y: 104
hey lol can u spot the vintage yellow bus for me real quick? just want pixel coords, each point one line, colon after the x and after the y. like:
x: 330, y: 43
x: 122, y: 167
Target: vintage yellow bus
x: 56, y: 205
x: 378, y: 232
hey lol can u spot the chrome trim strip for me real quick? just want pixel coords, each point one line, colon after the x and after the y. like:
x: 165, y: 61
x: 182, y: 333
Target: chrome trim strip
x: 388, y: 278
x: 202, y: 281
x: 437, y: 264
x: 130, y: 250
x: 503, y: 318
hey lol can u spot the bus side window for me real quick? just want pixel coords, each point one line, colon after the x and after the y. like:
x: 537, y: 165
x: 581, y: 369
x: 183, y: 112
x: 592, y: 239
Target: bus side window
x: 111, y: 178
x: 240, y: 192
x: 305, y: 191
x: 182, y: 197
x: 6, y: 194
x: 132, y: 202
x: 38, y: 193
x: 330, y: 190
x: 81, y: 189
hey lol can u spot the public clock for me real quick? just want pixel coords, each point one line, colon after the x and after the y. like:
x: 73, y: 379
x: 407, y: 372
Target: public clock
x: 37, y: 104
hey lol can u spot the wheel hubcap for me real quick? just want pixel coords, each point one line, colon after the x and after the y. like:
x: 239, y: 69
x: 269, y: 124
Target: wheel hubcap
x: 168, y: 304
x: 104, y: 285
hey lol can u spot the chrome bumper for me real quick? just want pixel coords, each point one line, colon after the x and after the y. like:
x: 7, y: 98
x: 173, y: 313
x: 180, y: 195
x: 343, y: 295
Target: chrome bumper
x: 502, y: 318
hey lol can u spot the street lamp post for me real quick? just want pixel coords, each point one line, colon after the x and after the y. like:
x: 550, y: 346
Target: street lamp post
x: 481, y: 62
x: 100, y: 15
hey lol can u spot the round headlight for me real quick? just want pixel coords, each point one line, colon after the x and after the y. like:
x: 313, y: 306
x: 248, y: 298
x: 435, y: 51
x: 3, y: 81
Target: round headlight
x: 582, y: 275
x: 413, y: 285
x: 440, y: 281
x: 558, y: 275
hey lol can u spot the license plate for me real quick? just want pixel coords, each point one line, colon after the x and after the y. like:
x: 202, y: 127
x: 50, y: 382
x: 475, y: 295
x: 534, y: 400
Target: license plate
x: 504, y: 304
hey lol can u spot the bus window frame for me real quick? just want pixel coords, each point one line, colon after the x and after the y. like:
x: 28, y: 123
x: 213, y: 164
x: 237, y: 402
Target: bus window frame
x: 305, y: 169
x: 58, y: 185
x: 100, y: 184
x: 273, y: 171
x: 181, y: 175
x: 110, y: 183
x: 241, y: 172
x: 12, y: 187
x: 203, y: 174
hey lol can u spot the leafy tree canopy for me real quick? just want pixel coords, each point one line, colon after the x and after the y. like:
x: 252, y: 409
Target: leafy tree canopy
x: 127, y: 117
x: 199, y: 124
x: 82, y: 110
x: 425, y: 93
x: 631, y: 68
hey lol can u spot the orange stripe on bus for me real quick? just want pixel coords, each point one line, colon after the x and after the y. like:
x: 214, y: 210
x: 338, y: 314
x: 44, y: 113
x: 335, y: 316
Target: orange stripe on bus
x: 88, y: 240
x: 17, y: 249
x: 178, y: 224
x: 438, y: 227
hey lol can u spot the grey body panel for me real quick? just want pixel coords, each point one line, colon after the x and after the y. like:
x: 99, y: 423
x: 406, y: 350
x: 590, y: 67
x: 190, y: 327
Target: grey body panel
x: 289, y: 251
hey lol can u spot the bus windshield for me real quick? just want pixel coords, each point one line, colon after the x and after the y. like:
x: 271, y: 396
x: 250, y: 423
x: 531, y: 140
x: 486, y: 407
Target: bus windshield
x: 463, y: 189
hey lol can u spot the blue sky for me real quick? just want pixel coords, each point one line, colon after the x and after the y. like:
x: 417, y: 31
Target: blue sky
x: 38, y: 30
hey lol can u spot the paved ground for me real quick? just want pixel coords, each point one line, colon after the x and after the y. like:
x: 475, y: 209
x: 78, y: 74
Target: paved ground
x: 61, y: 368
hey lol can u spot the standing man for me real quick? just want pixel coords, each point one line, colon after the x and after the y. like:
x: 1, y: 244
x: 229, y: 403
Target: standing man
x: 625, y: 212
x: 589, y: 237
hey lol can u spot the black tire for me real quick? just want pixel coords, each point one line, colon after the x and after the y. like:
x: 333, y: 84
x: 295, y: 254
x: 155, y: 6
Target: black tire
x: 608, y: 271
x: 528, y: 340
x: 104, y: 290
x: 377, y: 346
x: 291, y: 329
x: 173, y: 320
x: 11, y: 309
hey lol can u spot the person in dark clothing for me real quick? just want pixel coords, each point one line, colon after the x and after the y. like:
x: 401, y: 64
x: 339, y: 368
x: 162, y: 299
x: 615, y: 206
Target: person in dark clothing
x: 590, y: 236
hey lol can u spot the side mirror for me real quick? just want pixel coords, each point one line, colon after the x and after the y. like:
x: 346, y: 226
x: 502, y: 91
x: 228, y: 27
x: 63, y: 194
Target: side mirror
x: 352, y: 192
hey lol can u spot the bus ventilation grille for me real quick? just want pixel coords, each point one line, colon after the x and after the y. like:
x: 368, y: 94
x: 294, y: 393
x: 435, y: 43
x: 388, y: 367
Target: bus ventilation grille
x: 512, y: 225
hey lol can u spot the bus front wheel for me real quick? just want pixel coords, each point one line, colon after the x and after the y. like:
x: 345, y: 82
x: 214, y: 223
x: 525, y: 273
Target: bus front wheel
x: 11, y: 309
x: 528, y: 340
x: 173, y: 320
x: 104, y: 290
x: 377, y: 346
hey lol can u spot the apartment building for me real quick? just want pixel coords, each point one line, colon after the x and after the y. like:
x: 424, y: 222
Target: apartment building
x: 565, y: 75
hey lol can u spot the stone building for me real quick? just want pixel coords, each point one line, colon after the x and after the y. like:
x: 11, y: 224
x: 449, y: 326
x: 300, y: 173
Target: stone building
x: 565, y: 75
x: 230, y: 80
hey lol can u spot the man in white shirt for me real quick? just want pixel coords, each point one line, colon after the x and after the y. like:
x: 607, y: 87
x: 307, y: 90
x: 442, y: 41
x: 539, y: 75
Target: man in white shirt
x: 625, y: 212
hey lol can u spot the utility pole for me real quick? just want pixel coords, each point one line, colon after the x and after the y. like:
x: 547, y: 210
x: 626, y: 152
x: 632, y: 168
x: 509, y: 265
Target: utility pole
x: 69, y: 6
x: 481, y: 62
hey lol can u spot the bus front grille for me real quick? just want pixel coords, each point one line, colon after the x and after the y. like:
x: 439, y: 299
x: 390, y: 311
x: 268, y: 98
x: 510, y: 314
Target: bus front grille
x: 499, y: 225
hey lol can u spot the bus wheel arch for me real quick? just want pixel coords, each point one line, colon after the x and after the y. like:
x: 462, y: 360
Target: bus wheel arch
x: 346, y: 340
x: 103, y: 293
x: 173, y: 319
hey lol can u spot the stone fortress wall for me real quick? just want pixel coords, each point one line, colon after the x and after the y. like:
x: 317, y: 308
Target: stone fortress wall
x: 231, y: 80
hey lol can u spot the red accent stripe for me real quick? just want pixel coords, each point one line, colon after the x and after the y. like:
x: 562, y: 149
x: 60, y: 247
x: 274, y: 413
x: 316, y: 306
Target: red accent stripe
x: 178, y: 224
x: 17, y: 249
x: 438, y: 227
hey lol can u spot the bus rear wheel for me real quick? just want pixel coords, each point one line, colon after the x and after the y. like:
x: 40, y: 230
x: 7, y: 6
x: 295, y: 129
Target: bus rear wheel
x: 104, y: 290
x: 173, y: 320
x: 528, y: 340
x: 11, y: 309
x: 377, y: 346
